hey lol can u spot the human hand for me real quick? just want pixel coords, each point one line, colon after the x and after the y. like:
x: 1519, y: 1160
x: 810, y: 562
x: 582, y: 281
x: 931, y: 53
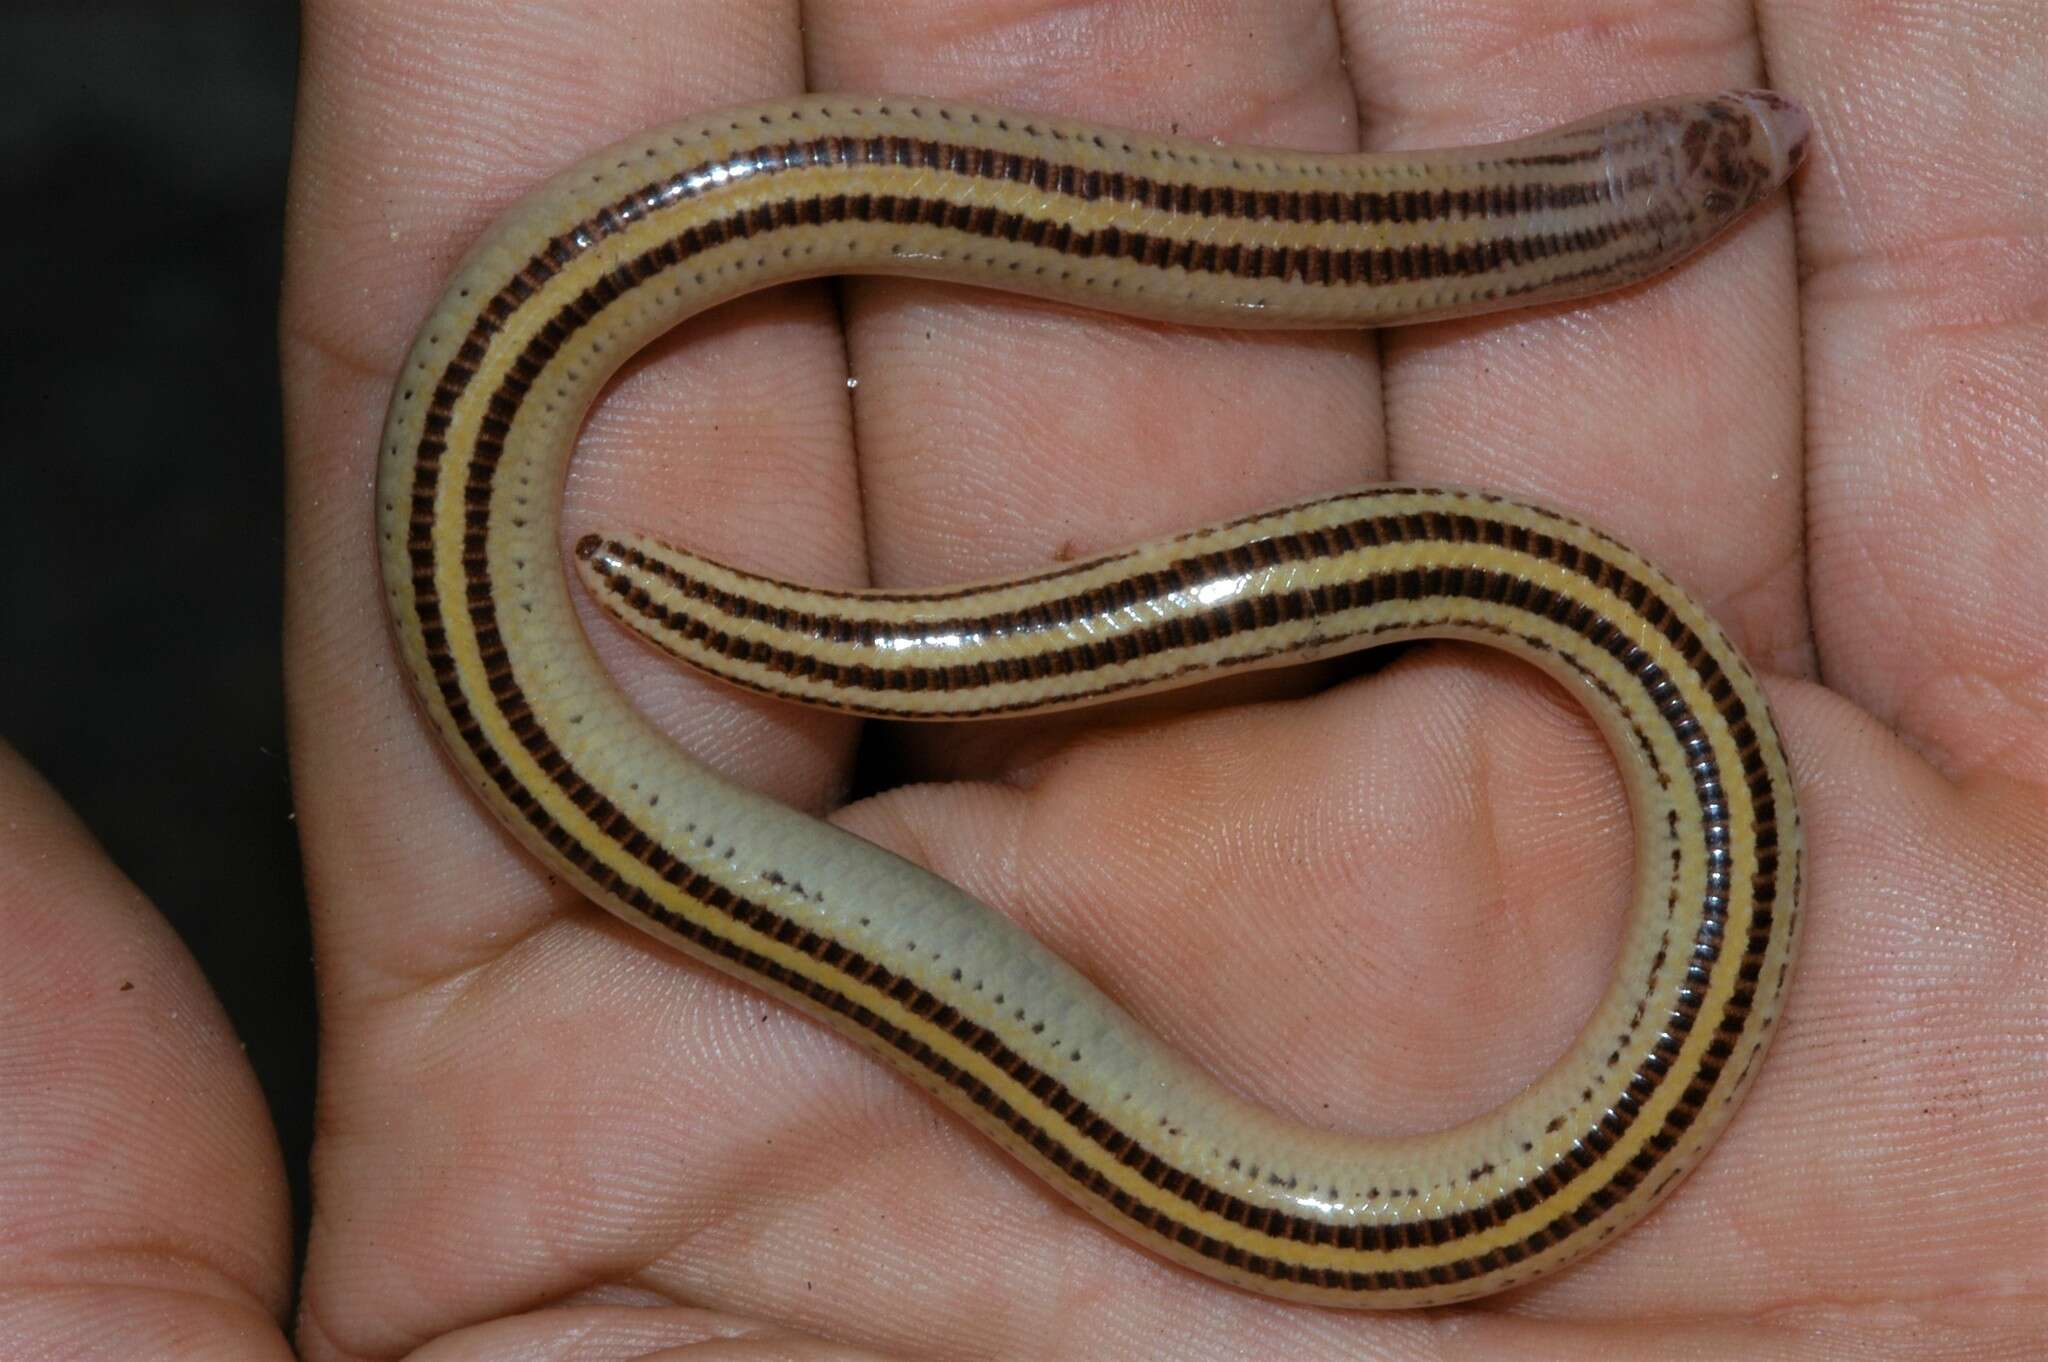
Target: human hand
x: 538, y: 1127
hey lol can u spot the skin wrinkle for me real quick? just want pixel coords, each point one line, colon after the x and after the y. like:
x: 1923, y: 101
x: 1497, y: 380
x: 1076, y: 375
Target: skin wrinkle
x: 1797, y: 657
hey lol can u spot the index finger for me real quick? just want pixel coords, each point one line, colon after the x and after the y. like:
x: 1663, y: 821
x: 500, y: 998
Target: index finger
x: 421, y: 123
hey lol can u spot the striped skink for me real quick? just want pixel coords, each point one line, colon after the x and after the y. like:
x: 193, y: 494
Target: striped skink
x: 638, y: 237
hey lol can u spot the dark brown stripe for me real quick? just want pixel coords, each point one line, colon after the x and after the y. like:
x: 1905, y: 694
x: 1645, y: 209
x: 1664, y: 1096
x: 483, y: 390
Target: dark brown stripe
x: 1311, y: 265
x: 1161, y: 193
x: 1116, y: 599
x: 1321, y: 266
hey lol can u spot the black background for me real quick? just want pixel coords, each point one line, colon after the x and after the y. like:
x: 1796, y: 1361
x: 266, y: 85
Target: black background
x: 145, y: 150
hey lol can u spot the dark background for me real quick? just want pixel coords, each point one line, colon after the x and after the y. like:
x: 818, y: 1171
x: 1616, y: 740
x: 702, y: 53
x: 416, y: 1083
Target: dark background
x: 141, y: 539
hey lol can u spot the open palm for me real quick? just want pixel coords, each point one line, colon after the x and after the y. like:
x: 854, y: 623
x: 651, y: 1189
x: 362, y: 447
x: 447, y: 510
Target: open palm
x: 1377, y: 899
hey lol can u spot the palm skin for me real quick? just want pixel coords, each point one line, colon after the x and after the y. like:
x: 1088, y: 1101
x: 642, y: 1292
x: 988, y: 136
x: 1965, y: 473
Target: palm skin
x: 1379, y: 900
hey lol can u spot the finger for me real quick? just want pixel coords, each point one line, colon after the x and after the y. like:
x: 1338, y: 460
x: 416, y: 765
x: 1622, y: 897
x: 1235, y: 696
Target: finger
x: 1926, y: 245
x: 1669, y: 414
x: 449, y: 1002
x: 142, y: 1195
x: 424, y: 123
x: 1000, y: 435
